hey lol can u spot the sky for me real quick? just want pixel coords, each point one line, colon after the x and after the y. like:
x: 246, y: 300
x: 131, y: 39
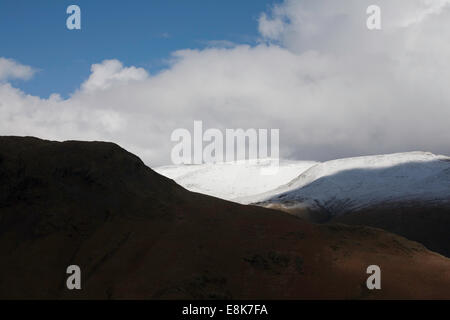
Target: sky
x: 138, y: 70
x: 140, y: 33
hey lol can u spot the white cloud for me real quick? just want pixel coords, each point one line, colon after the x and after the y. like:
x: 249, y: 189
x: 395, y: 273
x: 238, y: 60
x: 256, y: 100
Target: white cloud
x: 333, y: 87
x: 112, y: 72
x: 10, y: 69
x: 271, y: 28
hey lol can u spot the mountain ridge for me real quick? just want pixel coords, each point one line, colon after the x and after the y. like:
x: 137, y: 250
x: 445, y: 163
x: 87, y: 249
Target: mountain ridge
x: 405, y: 193
x: 138, y: 235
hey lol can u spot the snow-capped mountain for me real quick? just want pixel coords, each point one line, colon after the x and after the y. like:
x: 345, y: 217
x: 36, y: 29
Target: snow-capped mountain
x: 403, y: 193
x: 336, y: 186
x: 231, y: 180
x: 355, y: 183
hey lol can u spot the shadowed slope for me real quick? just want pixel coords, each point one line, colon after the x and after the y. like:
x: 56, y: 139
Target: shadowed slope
x: 429, y: 225
x: 405, y: 193
x: 136, y: 234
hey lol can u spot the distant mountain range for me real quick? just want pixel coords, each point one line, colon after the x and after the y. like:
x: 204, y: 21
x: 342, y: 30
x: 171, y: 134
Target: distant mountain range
x: 233, y: 180
x: 137, y: 234
x: 352, y: 184
x: 414, y: 187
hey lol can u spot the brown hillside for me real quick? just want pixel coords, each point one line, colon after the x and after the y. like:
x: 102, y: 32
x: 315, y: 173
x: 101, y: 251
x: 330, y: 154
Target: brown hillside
x: 136, y: 234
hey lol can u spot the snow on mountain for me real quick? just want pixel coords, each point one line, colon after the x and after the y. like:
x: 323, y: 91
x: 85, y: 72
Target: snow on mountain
x: 355, y: 183
x: 231, y: 180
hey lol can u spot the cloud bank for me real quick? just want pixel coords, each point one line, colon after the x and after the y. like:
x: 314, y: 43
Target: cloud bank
x: 331, y: 86
x: 10, y: 69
